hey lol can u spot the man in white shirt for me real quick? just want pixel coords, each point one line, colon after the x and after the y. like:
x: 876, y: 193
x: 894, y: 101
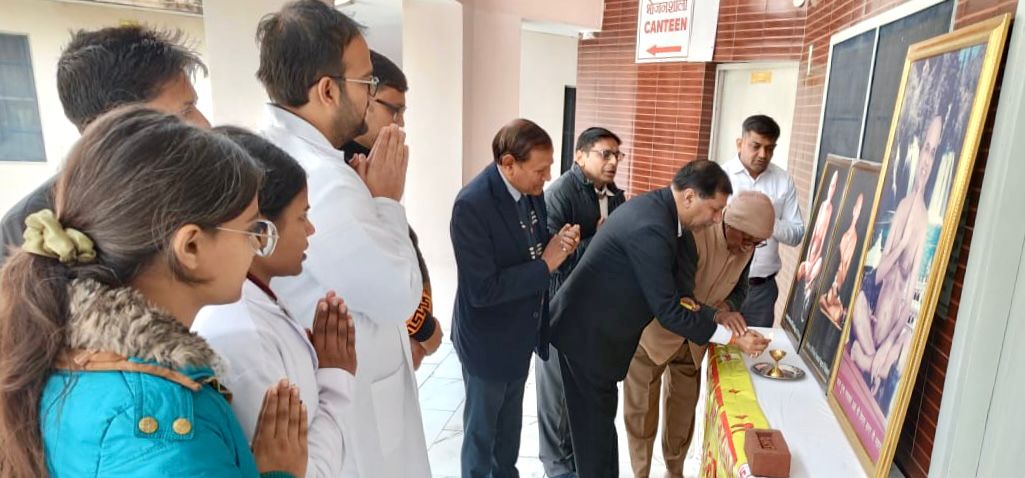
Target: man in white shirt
x: 753, y: 170
x: 316, y: 68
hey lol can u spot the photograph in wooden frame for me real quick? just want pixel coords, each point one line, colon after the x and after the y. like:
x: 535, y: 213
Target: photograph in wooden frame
x: 940, y: 112
x: 828, y: 313
x: 832, y: 181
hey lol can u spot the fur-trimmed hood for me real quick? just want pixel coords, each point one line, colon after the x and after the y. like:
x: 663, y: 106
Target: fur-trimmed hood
x: 122, y: 321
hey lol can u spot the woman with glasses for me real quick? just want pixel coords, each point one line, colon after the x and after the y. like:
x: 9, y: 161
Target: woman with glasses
x: 260, y: 340
x: 99, y: 374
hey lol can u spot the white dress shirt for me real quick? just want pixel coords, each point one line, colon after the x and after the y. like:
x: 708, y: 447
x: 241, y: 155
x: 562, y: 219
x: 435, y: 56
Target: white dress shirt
x: 603, y: 200
x: 775, y: 183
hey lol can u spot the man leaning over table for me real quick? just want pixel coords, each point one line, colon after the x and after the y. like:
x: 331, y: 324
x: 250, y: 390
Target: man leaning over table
x: 724, y: 256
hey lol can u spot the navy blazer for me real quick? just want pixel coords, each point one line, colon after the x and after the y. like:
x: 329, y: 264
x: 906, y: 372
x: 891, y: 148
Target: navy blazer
x: 501, y: 310
x: 629, y: 275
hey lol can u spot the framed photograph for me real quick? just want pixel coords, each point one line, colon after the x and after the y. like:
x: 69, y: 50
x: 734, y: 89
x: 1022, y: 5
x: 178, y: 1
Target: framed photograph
x: 940, y: 112
x: 814, y: 251
x: 828, y: 311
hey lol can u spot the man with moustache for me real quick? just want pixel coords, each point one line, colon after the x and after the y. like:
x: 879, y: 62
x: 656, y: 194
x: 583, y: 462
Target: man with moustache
x: 752, y: 170
x: 504, y: 260
x: 316, y: 68
x: 584, y: 195
x: 642, y: 250
x: 670, y: 365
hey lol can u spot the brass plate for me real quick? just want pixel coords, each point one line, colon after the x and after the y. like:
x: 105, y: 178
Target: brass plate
x: 789, y: 371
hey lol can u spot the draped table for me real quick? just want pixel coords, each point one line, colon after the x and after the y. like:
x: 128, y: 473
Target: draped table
x: 737, y: 399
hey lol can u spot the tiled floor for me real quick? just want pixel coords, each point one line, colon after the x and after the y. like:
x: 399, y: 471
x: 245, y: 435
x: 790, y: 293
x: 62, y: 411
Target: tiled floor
x: 441, y: 399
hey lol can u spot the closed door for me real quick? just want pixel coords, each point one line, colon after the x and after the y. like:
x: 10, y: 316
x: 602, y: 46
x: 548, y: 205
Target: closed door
x: 750, y: 89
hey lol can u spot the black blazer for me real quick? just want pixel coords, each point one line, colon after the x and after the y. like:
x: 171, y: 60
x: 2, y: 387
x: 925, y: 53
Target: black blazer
x: 501, y: 310
x: 626, y: 278
x: 571, y: 200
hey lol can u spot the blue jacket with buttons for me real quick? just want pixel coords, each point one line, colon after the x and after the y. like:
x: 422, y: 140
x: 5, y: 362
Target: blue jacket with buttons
x: 501, y: 309
x: 134, y: 396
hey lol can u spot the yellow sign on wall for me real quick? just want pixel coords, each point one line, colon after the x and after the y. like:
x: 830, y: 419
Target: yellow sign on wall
x: 760, y: 77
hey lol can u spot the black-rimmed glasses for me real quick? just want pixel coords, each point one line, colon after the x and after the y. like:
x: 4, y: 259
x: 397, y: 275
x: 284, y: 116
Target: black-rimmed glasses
x: 396, y: 110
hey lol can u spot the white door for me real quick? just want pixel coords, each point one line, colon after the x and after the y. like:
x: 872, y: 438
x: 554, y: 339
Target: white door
x: 748, y: 89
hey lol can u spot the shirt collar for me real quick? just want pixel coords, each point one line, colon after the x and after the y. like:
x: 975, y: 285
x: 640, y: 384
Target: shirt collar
x: 735, y: 166
x: 608, y: 190
x: 278, y: 118
x: 679, y: 229
x: 515, y: 193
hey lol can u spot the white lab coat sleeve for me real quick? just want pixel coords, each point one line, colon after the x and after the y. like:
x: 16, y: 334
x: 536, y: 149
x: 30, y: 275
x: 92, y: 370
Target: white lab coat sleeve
x: 363, y: 252
x: 257, y: 364
x: 789, y: 228
x: 327, y: 430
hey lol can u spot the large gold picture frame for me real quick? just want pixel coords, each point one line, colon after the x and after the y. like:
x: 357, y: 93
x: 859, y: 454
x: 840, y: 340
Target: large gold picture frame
x: 937, y: 125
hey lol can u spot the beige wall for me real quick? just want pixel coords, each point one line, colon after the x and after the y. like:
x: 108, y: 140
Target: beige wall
x: 47, y: 24
x: 548, y: 64
x: 234, y: 57
x: 432, y: 38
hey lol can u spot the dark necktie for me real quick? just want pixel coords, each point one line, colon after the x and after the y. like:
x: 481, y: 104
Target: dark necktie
x: 528, y: 222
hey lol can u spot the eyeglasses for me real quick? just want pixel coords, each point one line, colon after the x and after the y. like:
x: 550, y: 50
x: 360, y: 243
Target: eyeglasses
x: 396, y: 110
x: 373, y: 83
x: 608, y: 154
x: 263, y: 236
x: 746, y: 240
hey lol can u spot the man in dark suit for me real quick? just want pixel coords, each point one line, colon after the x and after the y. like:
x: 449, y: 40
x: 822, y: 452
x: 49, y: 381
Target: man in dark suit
x: 501, y: 311
x: 584, y: 195
x: 639, y: 251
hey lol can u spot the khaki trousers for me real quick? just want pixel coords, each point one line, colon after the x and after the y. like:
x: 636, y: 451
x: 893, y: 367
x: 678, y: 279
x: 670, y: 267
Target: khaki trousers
x: 682, y: 384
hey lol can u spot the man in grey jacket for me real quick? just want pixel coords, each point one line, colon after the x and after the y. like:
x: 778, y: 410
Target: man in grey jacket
x: 584, y: 195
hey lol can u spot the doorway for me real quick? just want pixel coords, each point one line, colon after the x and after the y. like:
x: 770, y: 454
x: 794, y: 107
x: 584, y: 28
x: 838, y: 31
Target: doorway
x: 745, y: 89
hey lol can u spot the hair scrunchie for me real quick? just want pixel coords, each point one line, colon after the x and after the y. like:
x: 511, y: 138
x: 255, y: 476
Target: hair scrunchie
x: 44, y: 236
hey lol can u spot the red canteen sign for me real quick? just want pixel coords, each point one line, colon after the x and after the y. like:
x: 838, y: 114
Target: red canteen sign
x: 663, y: 30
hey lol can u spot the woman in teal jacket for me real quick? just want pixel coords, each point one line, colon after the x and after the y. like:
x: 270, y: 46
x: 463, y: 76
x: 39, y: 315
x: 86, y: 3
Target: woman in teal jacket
x: 99, y: 375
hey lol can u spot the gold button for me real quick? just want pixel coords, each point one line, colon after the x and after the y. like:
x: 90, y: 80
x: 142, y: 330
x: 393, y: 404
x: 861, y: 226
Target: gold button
x: 182, y: 426
x: 148, y: 425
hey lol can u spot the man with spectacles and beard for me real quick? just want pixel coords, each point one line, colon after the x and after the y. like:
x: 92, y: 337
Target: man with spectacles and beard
x: 724, y: 256
x: 584, y: 195
x: 315, y: 66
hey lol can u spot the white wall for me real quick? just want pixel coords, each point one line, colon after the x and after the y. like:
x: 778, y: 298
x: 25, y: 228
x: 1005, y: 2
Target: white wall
x: 978, y: 433
x: 386, y: 40
x: 233, y: 57
x: 47, y: 24
x: 491, y: 76
x: 548, y: 64
x: 432, y: 38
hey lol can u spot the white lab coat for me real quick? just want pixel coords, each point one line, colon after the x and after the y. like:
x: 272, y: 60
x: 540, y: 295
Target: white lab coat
x: 363, y: 252
x: 261, y: 344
